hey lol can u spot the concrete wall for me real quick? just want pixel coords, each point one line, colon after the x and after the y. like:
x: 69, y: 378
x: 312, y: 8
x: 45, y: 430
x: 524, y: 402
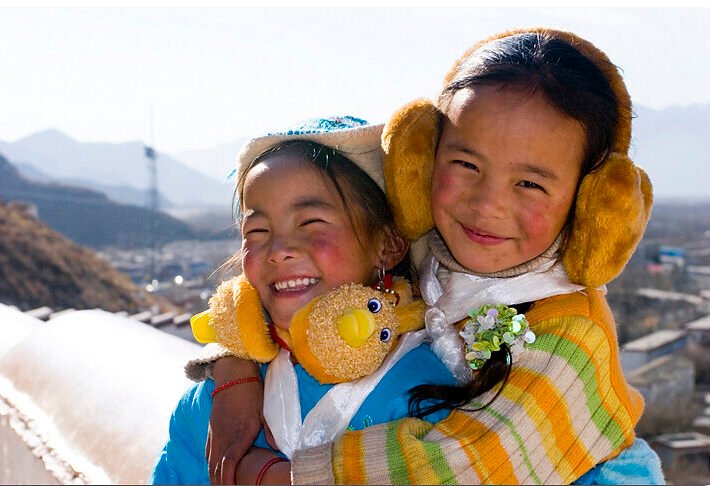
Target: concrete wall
x: 85, y: 398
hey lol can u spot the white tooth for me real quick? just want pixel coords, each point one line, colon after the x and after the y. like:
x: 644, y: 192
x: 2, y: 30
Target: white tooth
x: 300, y: 282
x: 314, y: 281
x: 291, y: 283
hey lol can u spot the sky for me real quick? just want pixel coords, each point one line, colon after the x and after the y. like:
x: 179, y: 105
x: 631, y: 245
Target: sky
x: 194, y: 78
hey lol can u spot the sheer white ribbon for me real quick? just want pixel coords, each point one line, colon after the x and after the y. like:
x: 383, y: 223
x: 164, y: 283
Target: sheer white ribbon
x: 451, y: 302
x: 333, y: 413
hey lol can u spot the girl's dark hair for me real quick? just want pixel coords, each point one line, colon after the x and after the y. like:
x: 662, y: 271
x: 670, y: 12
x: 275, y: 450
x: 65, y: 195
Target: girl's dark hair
x: 366, y: 204
x: 536, y: 64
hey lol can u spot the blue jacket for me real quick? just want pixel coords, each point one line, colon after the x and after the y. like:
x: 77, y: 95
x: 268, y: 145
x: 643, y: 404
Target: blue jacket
x: 182, y: 460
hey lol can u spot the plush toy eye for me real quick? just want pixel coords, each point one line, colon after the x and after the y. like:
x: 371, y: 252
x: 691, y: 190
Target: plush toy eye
x: 374, y: 306
x: 385, y: 335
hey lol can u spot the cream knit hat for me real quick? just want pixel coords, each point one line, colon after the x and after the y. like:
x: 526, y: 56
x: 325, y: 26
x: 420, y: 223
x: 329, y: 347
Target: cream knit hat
x: 351, y: 136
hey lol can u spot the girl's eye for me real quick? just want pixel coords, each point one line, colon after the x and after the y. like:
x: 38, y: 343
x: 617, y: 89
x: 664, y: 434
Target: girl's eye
x: 466, y: 165
x: 311, y: 221
x: 531, y: 185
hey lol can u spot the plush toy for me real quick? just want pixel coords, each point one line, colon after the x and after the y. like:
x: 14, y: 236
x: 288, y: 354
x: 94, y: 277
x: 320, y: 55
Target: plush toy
x: 340, y: 336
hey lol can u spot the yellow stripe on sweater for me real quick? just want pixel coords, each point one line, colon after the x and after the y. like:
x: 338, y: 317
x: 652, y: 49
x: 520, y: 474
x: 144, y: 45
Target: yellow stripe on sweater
x: 348, y: 457
x: 552, y: 417
x: 592, y: 307
x: 415, y: 457
x: 594, y: 346
x: 467, y: 431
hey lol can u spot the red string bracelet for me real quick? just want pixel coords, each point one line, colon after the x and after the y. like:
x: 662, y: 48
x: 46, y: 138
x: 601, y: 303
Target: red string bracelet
x: 235, y: 382
x: 266, y: 467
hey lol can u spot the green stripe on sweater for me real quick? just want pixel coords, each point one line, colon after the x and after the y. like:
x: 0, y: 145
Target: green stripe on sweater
x: 516, y: 436
x: 584, y: 366
x: 396, y: 462
x: 438, y: 463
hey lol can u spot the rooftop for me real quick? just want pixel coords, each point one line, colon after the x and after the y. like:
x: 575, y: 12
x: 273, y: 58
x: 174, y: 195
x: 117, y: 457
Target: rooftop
x: 667, y: 295
x: 664, y: 369
x: 702, y: 324
x: 684, y: 440
x: 654, y: 340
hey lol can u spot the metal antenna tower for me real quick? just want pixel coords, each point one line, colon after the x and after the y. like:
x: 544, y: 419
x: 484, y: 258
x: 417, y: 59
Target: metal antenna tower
x: 153, y: 202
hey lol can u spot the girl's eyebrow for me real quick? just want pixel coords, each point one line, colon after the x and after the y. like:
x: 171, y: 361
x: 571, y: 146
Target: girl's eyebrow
x: 459, y: 147
x: 300, y: 204
x: 312, y: 203
x: 536, y: 169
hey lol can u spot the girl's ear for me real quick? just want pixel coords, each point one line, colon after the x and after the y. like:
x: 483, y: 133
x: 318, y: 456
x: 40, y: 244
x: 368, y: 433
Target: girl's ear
x: 393, y: 248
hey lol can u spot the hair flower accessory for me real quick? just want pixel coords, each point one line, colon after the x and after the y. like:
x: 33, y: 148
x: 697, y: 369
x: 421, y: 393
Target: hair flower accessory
x: 491, y: 326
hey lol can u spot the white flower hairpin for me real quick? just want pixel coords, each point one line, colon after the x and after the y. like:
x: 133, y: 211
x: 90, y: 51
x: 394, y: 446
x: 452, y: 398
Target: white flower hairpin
x: 489, y: 327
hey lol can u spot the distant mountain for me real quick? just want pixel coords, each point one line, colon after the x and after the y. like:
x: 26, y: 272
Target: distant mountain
x: 107, y: 164
x: 120, y: 194
x: 88, y: 217
x: 40, y: 267
x: 217, y: 162
x: 673, y: 145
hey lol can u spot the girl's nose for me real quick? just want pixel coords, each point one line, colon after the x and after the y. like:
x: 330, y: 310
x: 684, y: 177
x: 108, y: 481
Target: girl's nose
x: 282, y: 249
x: 488, y: 200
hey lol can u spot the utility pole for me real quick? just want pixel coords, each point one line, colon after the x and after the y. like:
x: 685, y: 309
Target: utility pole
x: 152, y: 200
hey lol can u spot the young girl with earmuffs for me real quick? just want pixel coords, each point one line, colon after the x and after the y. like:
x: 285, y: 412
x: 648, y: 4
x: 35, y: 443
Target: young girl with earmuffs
x: 518, y: 186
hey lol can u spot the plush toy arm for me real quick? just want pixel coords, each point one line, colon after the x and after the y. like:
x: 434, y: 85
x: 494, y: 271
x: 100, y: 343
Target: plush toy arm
x: 411, y: 316
x: 235, y: 320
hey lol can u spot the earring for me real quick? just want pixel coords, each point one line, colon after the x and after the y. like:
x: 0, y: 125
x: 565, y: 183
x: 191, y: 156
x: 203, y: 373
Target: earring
x: 384, y: 285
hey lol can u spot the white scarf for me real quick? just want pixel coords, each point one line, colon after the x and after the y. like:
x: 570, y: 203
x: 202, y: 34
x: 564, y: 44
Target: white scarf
x: 461, y: 293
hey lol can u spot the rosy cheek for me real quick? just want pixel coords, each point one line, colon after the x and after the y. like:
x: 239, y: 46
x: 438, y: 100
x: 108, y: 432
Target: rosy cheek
x: 443, y: 189
x: 442, y: 181
x: 322, y: 244
x: 249, y: 263
x: 544, y: 221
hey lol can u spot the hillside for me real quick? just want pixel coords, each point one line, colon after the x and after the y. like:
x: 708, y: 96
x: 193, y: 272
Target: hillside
x: 88, y: 217
x: 39, y: 267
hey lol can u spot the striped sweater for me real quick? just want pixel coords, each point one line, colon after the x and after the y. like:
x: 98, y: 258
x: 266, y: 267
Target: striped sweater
x: 566, y: 407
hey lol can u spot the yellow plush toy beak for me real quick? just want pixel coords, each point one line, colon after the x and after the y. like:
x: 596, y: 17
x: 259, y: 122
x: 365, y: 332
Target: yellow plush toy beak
x: 356, y: 326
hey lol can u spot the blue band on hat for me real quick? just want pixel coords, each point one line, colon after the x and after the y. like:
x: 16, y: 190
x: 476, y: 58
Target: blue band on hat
x: 323, y: 125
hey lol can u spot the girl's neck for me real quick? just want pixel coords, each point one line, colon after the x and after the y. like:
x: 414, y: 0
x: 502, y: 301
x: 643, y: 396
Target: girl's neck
x: 442, y: 253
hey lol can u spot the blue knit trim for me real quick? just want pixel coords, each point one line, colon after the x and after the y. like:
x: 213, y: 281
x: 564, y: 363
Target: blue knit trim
x: 323, y: 125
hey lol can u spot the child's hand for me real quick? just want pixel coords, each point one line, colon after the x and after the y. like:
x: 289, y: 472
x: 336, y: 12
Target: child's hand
x: 235, y: 419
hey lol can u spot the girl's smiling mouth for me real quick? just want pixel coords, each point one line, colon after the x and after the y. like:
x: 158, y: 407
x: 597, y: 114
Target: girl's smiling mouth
x: 295, y: 284
x: 482, y: 237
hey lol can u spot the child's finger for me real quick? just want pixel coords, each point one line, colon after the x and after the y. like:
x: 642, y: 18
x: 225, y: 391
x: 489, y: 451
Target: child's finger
x: 229, y: 471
